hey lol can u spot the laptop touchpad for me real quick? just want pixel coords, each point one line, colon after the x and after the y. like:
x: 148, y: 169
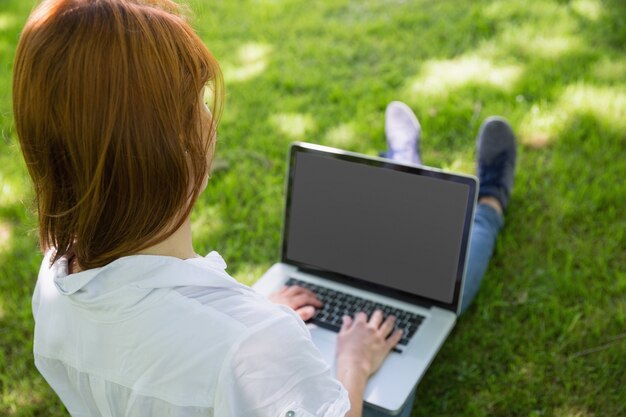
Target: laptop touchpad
x: 325, y: 341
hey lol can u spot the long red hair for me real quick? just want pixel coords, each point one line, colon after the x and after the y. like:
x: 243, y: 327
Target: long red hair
x: 106, y: 107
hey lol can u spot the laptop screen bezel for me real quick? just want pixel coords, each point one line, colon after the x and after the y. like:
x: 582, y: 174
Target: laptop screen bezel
x: 470, y: 181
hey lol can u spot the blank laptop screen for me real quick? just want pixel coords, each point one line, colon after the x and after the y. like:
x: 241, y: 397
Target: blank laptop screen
x: 389, y: 227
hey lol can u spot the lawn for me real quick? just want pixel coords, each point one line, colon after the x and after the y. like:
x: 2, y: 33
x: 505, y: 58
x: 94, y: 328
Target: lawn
x: 546, y: 335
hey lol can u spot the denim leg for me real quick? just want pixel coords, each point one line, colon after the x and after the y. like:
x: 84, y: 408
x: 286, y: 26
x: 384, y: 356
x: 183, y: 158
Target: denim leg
x: 487, y: 224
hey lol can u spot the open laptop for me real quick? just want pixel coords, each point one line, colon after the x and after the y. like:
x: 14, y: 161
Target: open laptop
x: 364, y: 233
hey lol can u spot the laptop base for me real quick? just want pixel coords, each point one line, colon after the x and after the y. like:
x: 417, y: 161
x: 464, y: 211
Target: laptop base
x: 389, y: 388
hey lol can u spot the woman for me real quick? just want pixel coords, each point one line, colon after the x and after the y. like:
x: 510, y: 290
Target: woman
x: 129, y: 320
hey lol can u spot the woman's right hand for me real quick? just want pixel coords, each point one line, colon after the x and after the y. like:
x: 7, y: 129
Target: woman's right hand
x: 362, y: 345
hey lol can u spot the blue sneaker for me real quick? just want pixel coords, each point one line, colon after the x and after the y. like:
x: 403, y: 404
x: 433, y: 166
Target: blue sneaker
x: 403, y: 132
x: 496, y: 153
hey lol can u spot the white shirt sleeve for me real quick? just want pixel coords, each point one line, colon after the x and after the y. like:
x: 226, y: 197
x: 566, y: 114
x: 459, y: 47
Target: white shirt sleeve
x: 276, y: 371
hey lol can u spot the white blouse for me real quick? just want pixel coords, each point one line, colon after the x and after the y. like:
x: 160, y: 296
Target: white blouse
x: 159, y: 336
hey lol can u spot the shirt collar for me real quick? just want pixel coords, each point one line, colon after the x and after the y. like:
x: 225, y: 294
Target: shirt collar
x: 145, y: 271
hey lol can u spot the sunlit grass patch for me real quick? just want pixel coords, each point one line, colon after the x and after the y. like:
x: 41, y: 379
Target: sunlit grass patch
x: 608, y: 104
x: 293, y: 125
x: 545, y: 122
x: 442, y: 77
x: 269, y: 2
x: 461, y: 164
x: 250, y: 61
x: 341, y: 136
x: 12, y: 189
x: 549, y: 43
x: 590, y: 9
x: 542, y: 125
x: 7, y: 21
x: 571, y: 411
x: 515, y: 11
x: 6, y: 232
x: 610, y: 70
x: 540, y: 30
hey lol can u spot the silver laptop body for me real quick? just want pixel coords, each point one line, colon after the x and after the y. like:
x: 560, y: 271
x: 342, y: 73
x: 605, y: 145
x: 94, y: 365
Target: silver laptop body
x: 385, y: 232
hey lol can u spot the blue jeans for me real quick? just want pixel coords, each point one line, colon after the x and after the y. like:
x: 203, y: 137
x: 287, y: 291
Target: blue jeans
x: 487, y: 224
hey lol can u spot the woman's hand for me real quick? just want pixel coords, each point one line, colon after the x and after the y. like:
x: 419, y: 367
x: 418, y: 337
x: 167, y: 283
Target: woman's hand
x: 301, y: 300
x: 362, y: 345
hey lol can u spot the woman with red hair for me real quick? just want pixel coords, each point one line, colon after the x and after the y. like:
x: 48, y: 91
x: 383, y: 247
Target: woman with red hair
x: 129, y: 320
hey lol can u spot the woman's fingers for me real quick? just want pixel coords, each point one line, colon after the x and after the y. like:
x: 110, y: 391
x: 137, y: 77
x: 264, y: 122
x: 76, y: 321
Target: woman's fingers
x: 376, y: 319
x: 306, y: 298
x: 346, y: 322
x: 393, y: 339
x: 294, y: 289
x: 298, y: 297
x: 306, y: 312
x: 360, y: 317
x: 387, y: 326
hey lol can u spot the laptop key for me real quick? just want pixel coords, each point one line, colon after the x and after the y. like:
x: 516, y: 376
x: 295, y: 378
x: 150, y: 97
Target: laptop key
x: 324, y: 324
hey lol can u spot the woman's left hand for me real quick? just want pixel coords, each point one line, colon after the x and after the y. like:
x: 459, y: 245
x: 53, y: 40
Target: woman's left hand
x: 301, y: 300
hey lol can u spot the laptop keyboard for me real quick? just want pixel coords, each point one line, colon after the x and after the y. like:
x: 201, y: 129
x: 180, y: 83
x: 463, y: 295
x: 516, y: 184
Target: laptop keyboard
x: 338, y: 304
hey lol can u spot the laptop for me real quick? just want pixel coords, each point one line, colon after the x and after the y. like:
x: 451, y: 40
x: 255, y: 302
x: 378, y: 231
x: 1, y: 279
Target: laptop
x: 364, y: 233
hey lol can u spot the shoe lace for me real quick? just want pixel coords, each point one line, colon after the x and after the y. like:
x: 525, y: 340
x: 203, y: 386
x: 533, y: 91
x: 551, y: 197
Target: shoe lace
x: 491, y: 174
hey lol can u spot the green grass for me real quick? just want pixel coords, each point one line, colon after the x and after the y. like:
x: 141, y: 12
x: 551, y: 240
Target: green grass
x: 546, y: 335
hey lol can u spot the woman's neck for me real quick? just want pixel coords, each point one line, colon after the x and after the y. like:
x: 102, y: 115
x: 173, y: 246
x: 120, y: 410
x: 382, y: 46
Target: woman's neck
x: 178, y: 245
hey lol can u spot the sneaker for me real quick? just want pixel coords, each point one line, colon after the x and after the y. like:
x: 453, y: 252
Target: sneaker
x: 496, y: 153
x: 403, y: 132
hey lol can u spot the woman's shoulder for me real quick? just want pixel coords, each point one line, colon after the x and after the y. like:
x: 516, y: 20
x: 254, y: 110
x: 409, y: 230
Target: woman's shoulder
x: 167, y: 317
x: 193, y: 290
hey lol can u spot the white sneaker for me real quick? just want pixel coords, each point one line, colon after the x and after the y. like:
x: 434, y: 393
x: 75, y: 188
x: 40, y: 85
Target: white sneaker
x: 403, y: 132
